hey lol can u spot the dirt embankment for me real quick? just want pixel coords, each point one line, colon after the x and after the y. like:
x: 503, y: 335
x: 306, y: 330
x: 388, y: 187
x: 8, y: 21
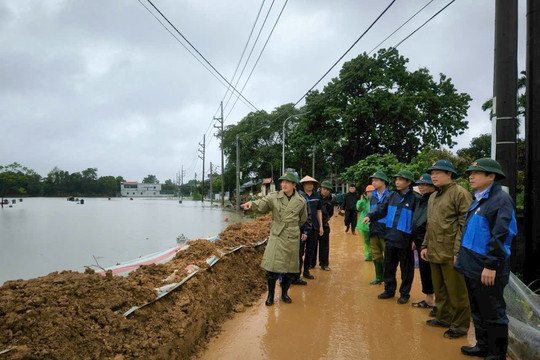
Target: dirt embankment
x: 72, y: 315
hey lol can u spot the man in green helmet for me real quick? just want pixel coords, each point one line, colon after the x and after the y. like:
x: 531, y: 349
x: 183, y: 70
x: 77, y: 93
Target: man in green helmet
x: 398, y: 209
x: 446, y: 211
x: 377, y: 229
x: 289, y: 212
x: 483, y: 258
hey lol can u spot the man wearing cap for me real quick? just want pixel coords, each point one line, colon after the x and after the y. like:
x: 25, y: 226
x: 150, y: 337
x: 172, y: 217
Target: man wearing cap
x: 363, y: 209
x: 398, y: 209
x: 327, y: 207
x: 426, y: 188
x: 308, y: 247
x: 447, y: 207
x: 490, y: 226
x: 349, y: 206
x: 289, y: 212
x: 377, y: 229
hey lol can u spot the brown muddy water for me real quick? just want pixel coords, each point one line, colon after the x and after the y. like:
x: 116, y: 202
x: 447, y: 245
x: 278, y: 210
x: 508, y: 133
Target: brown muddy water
x: 336, y: 316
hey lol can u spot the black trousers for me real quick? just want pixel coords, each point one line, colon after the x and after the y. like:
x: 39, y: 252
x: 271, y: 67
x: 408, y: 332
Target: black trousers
x: 405, y: 258
x: 488, y: 311
x: 351, y: 217
x: 324, y: 246
x: 425, y: 271
x: 308, y: 251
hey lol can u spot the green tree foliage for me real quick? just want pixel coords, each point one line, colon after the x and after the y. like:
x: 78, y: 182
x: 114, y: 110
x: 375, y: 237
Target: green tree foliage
x: 260, y: 144
x: 389, y: 163
x: 150, y: 179
x: 16, y: 179
x: 377, y: 105
x: 480, y: 147
x: 169, y: 187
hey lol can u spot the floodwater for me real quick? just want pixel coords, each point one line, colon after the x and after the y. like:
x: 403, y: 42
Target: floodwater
x: 42, y: 235
x: 336, y: 316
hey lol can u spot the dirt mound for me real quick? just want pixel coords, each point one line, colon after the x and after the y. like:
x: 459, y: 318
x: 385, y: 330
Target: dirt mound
x: 72, y: 315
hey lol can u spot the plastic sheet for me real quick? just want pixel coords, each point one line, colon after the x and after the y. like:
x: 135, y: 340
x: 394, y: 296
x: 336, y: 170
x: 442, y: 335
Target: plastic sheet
x: 523, y: 309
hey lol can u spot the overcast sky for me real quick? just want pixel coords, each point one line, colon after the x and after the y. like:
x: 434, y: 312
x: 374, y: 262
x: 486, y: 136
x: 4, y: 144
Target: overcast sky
x: 102, y: 84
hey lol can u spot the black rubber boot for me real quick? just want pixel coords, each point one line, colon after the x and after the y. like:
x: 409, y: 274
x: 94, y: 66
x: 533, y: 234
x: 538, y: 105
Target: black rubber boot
x: 271, y: 291
x: 285, y: 288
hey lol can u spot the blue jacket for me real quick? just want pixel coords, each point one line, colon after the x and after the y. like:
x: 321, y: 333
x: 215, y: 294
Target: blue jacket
x: 377, y: 228
x: 490, y: 226
x: 397, y: 210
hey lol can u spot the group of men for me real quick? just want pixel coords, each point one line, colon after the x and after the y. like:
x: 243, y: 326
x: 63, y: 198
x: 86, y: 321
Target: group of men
x: 463, y: 242
x: 302, y: 208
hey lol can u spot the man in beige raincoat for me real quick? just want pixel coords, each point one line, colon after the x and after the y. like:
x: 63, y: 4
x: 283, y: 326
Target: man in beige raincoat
x: 289, y: 212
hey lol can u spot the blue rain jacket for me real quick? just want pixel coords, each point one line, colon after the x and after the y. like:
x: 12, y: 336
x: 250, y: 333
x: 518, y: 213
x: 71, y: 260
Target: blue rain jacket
x: 490, y: 226
x: 377, y: 228
x: 397, y: 212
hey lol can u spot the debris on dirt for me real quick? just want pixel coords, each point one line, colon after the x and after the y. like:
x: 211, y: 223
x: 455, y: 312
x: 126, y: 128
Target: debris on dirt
x: 71, y: 315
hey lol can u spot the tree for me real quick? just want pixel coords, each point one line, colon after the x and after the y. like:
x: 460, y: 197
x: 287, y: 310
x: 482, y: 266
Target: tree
x: 169, y: 187
x: 260, y: 143
x: 107, y: 185
x: 480, y: 147
x: 150, y: 179
x: 377, y: 105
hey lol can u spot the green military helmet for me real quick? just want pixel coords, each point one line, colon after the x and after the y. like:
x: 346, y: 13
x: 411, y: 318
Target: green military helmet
x: 406, y: 174
x: 425, y: 179
x: 443, y: 165
x: 487, y: 165
x: 289, y: 176
x: 327, y: 184
x: 379, y: 174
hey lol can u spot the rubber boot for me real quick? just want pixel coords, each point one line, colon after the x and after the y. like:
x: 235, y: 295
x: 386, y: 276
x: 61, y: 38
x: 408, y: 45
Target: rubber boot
x: 271, y: 291
x: 378, y: 273
x: 285, y: 288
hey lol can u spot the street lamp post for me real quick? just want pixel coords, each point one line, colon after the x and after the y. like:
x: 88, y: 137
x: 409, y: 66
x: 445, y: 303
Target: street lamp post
x: 283, y: 147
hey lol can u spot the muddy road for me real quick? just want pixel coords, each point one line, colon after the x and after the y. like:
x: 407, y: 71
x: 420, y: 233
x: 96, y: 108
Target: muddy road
x: 336, y: 316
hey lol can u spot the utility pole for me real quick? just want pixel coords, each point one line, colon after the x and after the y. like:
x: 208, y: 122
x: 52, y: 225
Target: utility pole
x: 220, y: 127
x: 195, y: 184
x: 313, y: 164
x: 531, y: 269
x: 237, y: 172
x: 202, y: 151
x: 505, y: 88
x: 182, y: 173
x: 211, y: 183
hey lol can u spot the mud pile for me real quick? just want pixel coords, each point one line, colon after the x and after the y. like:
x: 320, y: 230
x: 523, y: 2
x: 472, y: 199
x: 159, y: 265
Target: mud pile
x: 72, y: 315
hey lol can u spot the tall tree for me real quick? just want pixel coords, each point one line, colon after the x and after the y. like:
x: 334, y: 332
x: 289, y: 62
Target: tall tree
x: 150, y: 179
x: 377, y: 105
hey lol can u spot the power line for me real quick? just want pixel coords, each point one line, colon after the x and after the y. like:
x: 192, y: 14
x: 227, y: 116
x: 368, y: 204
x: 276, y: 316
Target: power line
x: 243, y: 52
x: 399, y: 28
x: 201, y: 55
x: 342, y: 56
x: 237, y: 67
x: 251, y: 52
x: 258, y: 58
x: 349, y: 49
x: 421, y: 26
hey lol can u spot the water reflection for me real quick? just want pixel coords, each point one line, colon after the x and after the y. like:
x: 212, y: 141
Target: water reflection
x: 41, y: 235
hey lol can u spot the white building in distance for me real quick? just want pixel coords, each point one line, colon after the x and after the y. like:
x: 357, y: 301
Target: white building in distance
x: 135, y: 189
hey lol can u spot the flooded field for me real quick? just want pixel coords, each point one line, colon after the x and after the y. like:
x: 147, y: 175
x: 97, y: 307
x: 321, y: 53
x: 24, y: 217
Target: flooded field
x: 41, y: 235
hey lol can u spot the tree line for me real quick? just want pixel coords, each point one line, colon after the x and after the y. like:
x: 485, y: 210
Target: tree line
x: 377, y: 113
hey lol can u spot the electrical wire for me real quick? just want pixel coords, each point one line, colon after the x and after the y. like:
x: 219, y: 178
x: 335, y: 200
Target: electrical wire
x: 421, y: 26
x: 399, y: 28
x: 348, y: 50
x: 250, y: 53
x: 258, y: 58
x: 200, y: 54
